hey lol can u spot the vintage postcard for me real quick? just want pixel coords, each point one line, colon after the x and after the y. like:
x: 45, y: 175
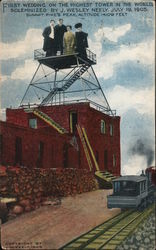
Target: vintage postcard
x: 77, y: 162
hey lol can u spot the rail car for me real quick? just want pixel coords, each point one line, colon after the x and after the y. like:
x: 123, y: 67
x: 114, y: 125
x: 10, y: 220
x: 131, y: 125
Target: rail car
x: 151, y: 171
x: 132, y: 192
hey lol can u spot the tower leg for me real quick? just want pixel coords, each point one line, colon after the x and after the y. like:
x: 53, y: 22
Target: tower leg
x: 109, y: 109
x: 30, y: 83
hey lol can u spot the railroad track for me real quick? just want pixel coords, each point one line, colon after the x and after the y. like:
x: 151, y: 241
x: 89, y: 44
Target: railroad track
x: 111, y: 233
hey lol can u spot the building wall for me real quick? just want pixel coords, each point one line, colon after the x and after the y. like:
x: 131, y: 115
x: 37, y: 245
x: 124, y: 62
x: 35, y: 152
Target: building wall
x: 101, y: 142
x: 32, y: 187
x: 59, y: 113
x: 17, y: 117
x: 58, y: 151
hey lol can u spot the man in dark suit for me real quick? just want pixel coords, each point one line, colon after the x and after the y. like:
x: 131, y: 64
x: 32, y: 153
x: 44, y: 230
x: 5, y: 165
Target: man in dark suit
x: 49, y: 35
x: 60, y: 30
x: 81, y: 40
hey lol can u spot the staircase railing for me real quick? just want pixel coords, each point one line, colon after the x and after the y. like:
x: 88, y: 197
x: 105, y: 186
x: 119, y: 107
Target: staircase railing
x: 91, y: 55
x: 68, y: 83
x: 84, y: 147
x: 90, y: 148
x: 39, y: 53
x: 50, y: 121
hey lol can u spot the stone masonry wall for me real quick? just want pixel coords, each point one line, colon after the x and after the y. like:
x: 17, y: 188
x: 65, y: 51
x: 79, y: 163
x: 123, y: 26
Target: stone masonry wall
x: 31, y: 186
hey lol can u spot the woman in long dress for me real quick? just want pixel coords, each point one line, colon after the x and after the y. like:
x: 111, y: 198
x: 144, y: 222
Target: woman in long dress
x: 69, y: 41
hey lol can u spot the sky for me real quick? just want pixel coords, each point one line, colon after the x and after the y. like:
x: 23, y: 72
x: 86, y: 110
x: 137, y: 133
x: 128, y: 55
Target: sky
x: 122, y: 37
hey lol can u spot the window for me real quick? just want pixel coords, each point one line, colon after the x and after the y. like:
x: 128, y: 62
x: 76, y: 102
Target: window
x: 103, y: 127
x: 111, y: 129
x: 33, y: 123
x: 126, y: 188
x: 143, y: 186
x: 150, y: 176
x: 116, y: 186
x: 18, y: 150
x: 40, y: 154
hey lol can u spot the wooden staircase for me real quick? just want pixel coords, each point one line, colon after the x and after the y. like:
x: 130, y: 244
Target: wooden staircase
x: 49, y: 121
x: 104, y: 178
x: 85, y: 147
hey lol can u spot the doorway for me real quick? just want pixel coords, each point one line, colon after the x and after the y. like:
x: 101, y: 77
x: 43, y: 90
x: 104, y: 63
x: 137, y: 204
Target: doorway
x: 73, y: 122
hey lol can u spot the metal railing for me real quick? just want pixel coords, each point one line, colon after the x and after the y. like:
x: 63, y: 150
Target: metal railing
x: 102, y: 108
x: 40, y: 53
x: 91, y: 55
x: 79, y: 101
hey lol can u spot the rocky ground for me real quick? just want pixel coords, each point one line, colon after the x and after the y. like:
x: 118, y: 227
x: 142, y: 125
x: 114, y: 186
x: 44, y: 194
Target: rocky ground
x: 143, y: 238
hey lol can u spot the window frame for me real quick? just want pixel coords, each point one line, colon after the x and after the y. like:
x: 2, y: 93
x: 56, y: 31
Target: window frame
x: 34, y: 125
x: 103, y: 127
x: 111, y: 129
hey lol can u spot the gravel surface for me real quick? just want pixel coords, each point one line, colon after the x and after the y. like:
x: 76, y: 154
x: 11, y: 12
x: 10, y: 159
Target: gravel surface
x: 143, y: 237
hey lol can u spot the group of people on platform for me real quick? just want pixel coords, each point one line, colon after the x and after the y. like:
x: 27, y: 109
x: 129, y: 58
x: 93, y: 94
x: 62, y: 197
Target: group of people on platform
x: 60, y: 39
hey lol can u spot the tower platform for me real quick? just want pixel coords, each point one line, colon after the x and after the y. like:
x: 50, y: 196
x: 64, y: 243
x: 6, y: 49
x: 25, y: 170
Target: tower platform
x: 64, y: 61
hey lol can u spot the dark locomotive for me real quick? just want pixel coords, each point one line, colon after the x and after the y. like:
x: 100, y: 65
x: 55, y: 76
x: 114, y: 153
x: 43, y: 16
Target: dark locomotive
x: 133, y: 191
